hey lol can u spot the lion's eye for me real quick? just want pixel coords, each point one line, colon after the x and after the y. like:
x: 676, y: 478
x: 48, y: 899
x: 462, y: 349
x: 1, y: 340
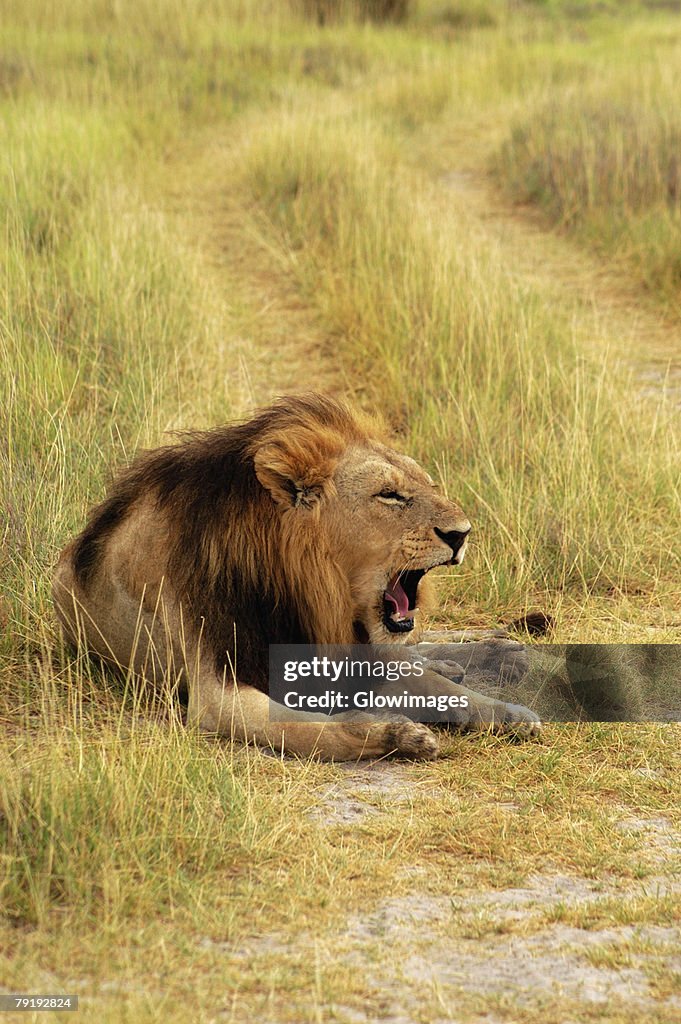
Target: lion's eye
x: 392, y: 496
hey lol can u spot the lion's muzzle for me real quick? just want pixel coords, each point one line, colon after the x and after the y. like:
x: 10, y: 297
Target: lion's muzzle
x: 456, y: 540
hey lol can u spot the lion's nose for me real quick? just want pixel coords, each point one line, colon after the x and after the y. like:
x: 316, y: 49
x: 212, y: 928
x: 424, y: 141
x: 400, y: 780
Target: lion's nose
x: 454, y: 538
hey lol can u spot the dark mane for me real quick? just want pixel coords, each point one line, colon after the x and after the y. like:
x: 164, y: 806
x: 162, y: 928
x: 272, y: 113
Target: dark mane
x: 230, y: 553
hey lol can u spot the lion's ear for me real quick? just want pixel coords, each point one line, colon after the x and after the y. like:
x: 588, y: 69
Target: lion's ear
x: 290, y: 478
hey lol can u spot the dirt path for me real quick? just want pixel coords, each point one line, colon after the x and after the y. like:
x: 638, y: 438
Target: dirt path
x: 281, y: 345
x: 277, y: 344
x: 609, y: 311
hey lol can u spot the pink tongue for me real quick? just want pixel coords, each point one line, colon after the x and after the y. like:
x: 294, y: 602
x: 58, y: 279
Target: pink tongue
x: 397, y: 595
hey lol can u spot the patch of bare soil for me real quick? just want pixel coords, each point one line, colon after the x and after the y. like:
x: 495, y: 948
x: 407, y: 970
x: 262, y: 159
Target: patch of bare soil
x: 516, y: 947
x: 551, y: 962
x: 364, y: 789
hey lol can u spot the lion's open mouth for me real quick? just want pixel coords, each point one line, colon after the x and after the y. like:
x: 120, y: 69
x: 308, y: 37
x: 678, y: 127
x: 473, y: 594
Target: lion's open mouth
x: 399, y: 600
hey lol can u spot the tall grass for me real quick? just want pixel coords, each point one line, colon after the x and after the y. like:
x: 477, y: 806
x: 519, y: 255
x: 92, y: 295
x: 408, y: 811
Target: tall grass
x: 603, y: 161
x: 571, y: 481
x: 110, y: 811
x: 116, y: 834
x: 98, y: 305
x: 114, y: 815
x: 106, y: 329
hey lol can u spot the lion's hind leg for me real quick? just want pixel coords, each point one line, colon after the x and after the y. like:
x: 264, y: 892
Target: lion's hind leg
x: 243, y: 713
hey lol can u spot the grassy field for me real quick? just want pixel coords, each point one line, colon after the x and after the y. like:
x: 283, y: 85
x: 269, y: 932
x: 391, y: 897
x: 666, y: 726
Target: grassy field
x: 601, y: 158
x: 204, y: 204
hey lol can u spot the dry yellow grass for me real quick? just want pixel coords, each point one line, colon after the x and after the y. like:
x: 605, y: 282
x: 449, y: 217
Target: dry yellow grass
x: 161, y: 876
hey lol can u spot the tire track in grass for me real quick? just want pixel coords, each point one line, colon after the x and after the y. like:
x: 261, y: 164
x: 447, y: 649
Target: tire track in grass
x: 610, y: 313
x: 277, y: 343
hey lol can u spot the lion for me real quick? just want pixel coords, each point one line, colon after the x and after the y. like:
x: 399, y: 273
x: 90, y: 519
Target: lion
x: 298, y: 525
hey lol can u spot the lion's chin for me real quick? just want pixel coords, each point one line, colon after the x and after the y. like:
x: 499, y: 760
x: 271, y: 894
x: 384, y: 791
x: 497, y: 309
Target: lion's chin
x: 376, y: 633
x: 399, y: 625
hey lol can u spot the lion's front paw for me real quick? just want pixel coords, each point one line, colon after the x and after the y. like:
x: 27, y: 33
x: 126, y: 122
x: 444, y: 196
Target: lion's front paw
x: 448, y: 669
x: 519, y: 721
x: 504, y: 719
x: 413, y: 740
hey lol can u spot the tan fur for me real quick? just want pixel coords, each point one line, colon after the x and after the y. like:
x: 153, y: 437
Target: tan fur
x: 289, y: 515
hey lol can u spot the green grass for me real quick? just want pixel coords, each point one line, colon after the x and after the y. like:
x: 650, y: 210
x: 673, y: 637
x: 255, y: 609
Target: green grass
x: 148, y: 868
x: 601, y: 159
x: 113, y: 836
x: 99, y: 305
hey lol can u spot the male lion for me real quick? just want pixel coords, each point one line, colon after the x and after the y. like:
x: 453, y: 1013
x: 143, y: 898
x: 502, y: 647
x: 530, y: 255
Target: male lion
x: 297, y: 526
